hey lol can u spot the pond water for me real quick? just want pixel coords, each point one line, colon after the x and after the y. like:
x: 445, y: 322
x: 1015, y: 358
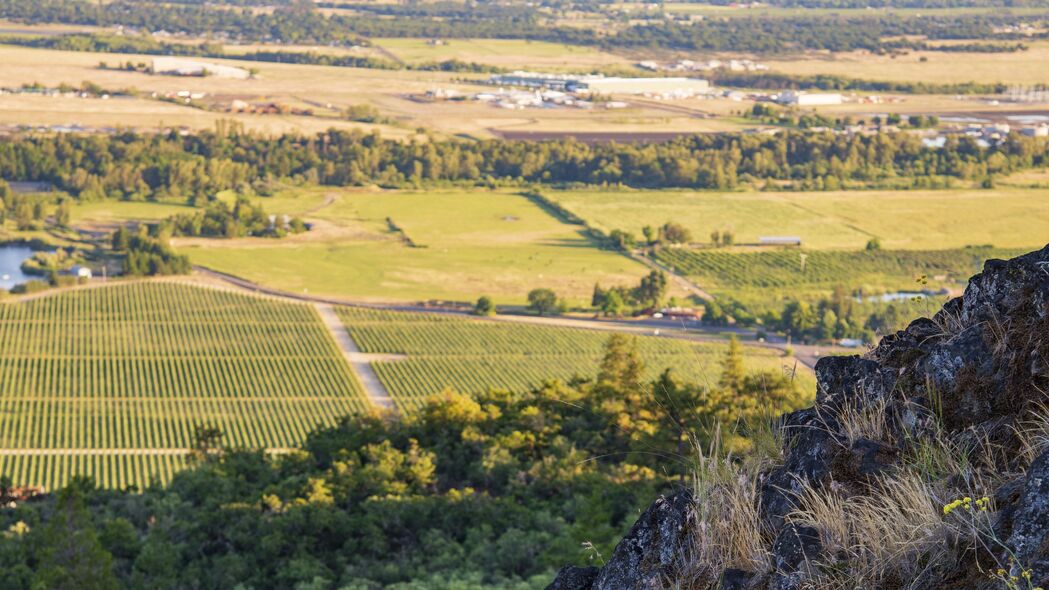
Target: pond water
x: 902, y: 296
x: 11, y: 259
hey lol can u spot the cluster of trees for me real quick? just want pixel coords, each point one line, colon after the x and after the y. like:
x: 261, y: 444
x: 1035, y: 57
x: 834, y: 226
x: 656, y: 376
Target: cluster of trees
x: 147, y: 253
x: 133, y: 166
x: 842, y: 315
x: 493, y: 491
x: 781, y: 81
x: 219, y: 220
x: 809, y: 119
x: 617, y: 301
x: 670, y: 233
x: 303, y: 22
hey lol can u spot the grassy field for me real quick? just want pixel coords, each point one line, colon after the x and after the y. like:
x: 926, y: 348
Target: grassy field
x: 1024, y: 67
x: 467, y: 243
x: 510, y: 53
x: 473, y: 356
x: 111, y: 382
x: 902, y: 220
x: 109, y: 213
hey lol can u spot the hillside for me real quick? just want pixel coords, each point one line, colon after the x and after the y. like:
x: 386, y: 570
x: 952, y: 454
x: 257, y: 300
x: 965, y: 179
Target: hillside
x: 922, y: 464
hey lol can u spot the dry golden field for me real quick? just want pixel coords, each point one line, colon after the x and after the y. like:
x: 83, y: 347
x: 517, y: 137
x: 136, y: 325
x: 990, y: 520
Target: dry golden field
x: 390, y: 91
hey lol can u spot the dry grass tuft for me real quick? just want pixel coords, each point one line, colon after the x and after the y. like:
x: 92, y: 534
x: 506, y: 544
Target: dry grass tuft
x: 873, y: 539
x: 728, y: 531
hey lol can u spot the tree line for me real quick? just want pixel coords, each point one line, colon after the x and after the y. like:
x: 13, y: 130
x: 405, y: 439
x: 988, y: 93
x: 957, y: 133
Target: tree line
x: 302, y: 22
x: 194, y: 167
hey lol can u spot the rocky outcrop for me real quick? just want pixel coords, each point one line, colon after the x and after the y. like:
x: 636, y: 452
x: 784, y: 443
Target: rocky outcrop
x: 974, y: 371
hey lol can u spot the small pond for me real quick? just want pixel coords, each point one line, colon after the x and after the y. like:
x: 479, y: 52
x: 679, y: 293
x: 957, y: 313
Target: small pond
x: 11, y: 258
x: 902, y: 296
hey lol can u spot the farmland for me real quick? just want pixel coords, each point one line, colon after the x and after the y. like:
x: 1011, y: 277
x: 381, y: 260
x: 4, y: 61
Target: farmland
x: 474, y: 356
x: 791, y: 273
x: 463, y: 244
x: 901, y: 220
x: 112, y: 381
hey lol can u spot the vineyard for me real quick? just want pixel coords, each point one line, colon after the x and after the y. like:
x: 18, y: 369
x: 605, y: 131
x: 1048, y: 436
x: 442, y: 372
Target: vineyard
x: 471, y: 356
x: 885, y: 269
x: 111, y: 382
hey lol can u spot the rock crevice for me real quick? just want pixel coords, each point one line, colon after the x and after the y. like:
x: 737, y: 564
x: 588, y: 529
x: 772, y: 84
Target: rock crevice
x: 975, y: 371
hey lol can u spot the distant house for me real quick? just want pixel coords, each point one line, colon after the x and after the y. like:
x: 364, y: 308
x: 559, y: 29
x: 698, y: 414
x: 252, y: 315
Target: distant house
x: 779, y: 241
x: 81, y: 272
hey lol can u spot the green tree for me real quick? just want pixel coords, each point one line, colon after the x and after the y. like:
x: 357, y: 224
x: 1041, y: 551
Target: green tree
x: 651, y: 235
x: 484, y: 306
x: 621, y: 366
x: 71, y: 556
x: 675, y: 233
x: 613, y: 303
x: 542, y: 301
x: 733, y: 372
x: 63, y: 214
x: 652, y: 288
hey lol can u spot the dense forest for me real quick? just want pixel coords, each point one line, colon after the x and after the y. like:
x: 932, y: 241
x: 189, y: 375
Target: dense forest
x: 493, y: 491
x: 303, y: 23
x: 195, y: 167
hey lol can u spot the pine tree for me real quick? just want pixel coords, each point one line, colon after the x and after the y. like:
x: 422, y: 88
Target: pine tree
x: 622, y: 366
x: 733, y: 373
x: 71, y: 556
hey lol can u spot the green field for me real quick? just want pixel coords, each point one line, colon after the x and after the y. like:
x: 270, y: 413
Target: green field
x: 902, y: 220
x: 112, y: 212
x: 798, y: 273
x: 466, y: 244
x: 473, y: 356
x: 92, y: 381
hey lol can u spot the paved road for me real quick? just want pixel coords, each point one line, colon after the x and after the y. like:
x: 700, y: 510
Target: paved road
x: 360, y: 362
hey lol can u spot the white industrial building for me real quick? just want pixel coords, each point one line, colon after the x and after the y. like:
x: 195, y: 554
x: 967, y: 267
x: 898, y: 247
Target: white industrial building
x: 175, y: 66
x: 602, y: 84
x: 616, y: 85
x: 804, y: 99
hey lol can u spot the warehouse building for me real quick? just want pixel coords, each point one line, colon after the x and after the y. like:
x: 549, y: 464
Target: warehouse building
x: 602, y: 84
x: 616, y: 85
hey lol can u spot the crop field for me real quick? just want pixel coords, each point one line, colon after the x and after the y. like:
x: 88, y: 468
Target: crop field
x: 798, y: 271
x: 471, y: 356
x: 463, y: 244
x: 112, y: 381
x: 901, y: 220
